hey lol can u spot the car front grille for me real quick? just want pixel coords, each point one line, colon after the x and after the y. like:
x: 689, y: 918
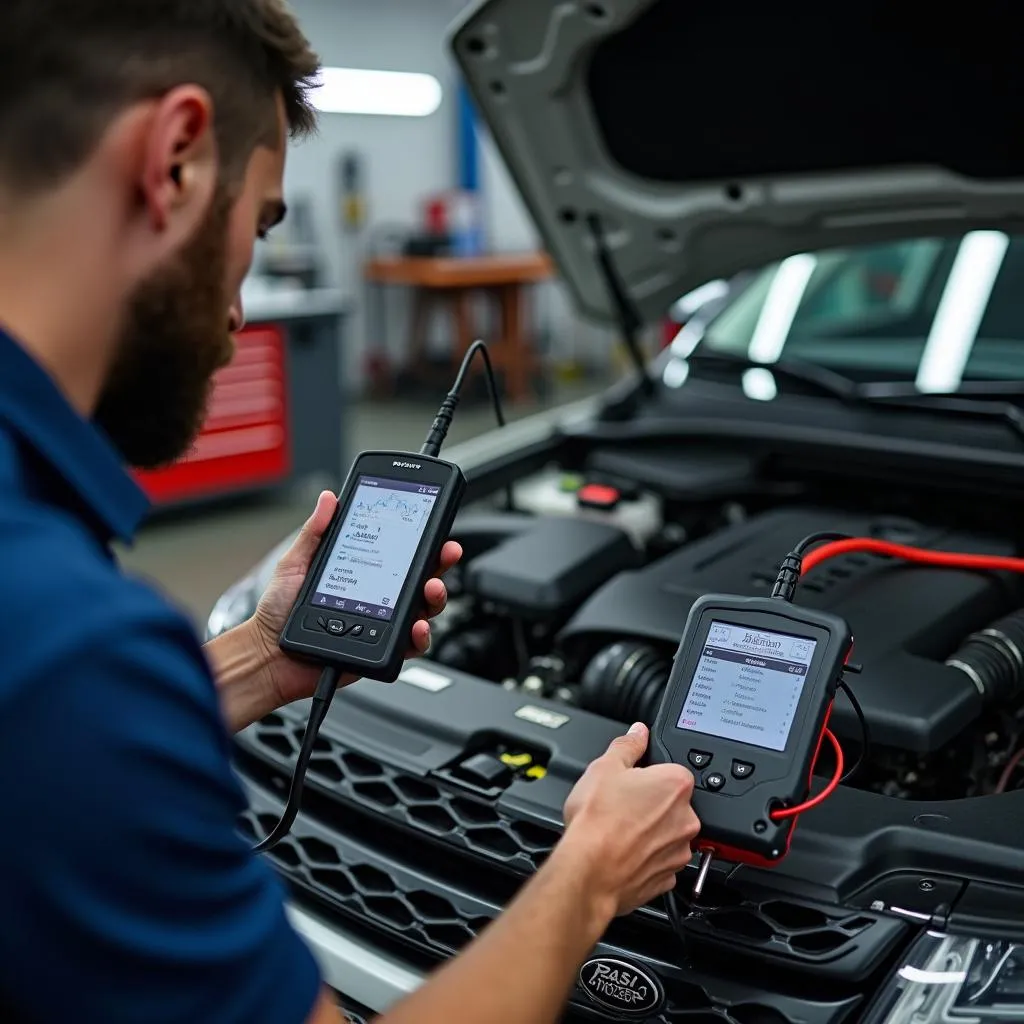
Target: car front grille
x: 420, y: 804
x: 351, y: 883
x: 427, y: 865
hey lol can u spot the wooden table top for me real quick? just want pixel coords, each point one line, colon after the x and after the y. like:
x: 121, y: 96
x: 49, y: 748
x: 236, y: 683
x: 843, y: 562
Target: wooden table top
x: 460, y: 271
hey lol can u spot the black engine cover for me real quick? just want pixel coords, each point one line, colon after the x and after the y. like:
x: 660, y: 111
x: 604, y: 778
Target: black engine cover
x: 906, y: 620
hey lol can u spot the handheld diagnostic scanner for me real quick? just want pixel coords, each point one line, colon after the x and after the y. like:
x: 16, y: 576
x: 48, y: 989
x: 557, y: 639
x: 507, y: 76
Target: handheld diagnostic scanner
x: 746, y: 710
x: 364, y: 591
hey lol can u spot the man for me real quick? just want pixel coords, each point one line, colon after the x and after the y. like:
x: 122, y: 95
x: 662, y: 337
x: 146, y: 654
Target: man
x: 142, y: 147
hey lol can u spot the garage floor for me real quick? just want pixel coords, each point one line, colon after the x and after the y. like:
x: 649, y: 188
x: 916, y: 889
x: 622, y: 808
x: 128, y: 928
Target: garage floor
x: 195, y: 555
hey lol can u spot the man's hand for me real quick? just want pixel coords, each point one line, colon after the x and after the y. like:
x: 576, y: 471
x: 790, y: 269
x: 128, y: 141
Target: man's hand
x: 291, y: 680
x: 631, y: 827
x: 628, y: 831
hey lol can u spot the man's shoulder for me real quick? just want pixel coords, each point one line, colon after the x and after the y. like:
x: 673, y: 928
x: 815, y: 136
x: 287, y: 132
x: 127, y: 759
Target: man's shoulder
x: 110, y: 723
x: 63, y: 597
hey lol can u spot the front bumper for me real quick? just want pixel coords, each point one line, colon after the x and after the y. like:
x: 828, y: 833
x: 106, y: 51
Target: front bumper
x: 392, y: 872
x: 353, y: 968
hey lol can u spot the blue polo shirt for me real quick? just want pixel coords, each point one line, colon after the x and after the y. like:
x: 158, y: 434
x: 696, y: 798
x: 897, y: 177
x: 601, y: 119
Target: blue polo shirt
x: 126, y: 894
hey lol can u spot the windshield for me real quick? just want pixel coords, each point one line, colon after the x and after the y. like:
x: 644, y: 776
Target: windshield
x: 933, y: 311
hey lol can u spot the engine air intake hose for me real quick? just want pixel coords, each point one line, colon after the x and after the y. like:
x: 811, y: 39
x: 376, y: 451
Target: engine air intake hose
x: 624, y: 681
x: 993, y: 659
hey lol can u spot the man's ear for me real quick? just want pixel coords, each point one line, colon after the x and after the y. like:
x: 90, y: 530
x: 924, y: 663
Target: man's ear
x: 179, y: 169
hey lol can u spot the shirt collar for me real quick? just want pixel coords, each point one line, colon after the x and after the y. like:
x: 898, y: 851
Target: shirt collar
x: 33, y: 405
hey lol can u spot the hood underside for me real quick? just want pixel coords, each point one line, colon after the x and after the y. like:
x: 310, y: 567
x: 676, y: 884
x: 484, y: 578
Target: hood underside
x: 701, y: 139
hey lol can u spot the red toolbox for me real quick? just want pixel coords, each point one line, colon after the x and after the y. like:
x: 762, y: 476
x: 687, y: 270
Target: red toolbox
x: 261, y: 431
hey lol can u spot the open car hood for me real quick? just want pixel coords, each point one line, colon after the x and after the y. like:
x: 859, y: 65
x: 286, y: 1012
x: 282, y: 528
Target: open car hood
x: 701, y: 138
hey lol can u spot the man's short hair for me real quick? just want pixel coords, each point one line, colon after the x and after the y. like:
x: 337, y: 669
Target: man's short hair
x: 68, y: 68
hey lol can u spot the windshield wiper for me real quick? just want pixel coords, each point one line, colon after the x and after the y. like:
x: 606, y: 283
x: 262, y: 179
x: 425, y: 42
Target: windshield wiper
x: 974, y: 406
x: 824, y: 380
x: 973, y: 399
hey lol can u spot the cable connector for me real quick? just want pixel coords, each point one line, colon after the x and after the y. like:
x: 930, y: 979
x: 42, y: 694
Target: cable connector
x: 443, y: 420
x: 442, y: 423
x: 792, y: 567
x: 707, y: 856
x: 788, y: 578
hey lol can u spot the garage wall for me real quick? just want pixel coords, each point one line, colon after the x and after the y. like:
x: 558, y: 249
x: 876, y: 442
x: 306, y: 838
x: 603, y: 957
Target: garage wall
x: 403, y: 159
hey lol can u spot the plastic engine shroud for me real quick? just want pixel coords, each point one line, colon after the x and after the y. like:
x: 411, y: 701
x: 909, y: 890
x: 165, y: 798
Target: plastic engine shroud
x: 906, y: 620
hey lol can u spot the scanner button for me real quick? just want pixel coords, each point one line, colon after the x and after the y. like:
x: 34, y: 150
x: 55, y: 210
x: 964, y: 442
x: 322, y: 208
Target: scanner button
x: 742, y: 770
x: 356, y: 631
x: 715, y: 781
x: 335, y: 626
x: 699, y: 758
x: 369, y: 634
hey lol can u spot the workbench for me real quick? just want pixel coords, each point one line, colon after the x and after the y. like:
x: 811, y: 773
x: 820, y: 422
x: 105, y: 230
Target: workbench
x: 453, y: 281
x: 276, y: 414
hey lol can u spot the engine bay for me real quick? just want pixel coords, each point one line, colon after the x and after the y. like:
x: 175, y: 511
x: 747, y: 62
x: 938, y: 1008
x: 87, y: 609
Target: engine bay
x: 580, y: 595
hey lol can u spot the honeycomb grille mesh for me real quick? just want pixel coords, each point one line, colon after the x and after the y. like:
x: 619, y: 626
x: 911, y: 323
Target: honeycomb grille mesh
x: 417, y: 803
x: 368, y: 892
x: 799, y: 931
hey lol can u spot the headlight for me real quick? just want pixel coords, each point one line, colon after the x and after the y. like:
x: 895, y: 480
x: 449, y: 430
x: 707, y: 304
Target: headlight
x: 239, y: 601
x: 233, y: 607
x: 953, y: 978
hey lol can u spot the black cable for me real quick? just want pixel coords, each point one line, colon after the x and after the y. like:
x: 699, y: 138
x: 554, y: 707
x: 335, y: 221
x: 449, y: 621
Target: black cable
x: 629, y: 320
x: 327, y: 686
x: 679, y: 908
x: 865, y: 732
x: 322, y: 698
x: 675, y: 916
x: 818, y: 538
x: 443, y: 419
x: 792, y: 565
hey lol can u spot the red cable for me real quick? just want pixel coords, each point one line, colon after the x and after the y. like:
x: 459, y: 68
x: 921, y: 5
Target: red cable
x: 792, y: 812
x: 1011, y: 766
x: 921, y: 556
x: 941, y: 559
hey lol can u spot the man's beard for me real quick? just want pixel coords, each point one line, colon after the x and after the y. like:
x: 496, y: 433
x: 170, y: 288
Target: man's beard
x: 175, y: 337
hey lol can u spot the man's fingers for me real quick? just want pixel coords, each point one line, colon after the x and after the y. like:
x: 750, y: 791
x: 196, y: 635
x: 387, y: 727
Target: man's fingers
x: 301, y: 552
x: 436, y: 594
x: 421, y: 637
x: 628, y: 749
x: 450, y: 555
x: 318, y: 522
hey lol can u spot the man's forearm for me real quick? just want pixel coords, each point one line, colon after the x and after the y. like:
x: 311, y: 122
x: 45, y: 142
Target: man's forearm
x: 522, y: 968
x: 241, y: 668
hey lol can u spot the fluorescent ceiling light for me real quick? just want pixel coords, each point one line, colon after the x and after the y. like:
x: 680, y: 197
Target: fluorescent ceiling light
x: 675, y: 373
x: 780, y: 308
x: 391, y: 93
x: 759, y: 384
x: 961, y: 309
x: 692, y: 301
